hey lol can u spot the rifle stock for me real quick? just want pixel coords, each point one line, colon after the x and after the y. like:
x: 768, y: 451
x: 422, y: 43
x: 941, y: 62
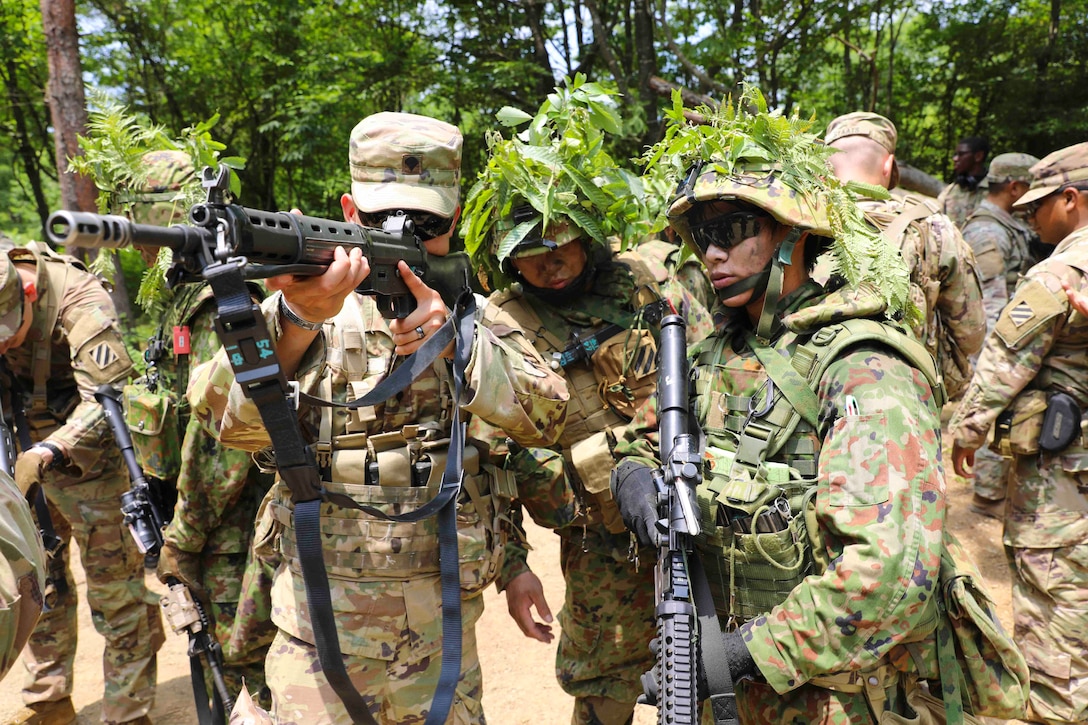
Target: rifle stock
x: 673, y: 683
x: 272, y: 243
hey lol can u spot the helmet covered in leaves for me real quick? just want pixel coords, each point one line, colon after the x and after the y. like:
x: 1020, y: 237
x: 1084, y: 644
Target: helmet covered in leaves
x: 553, y: 183
x: 748, y: 154
x: 757, y: 184
x: 160, y: 198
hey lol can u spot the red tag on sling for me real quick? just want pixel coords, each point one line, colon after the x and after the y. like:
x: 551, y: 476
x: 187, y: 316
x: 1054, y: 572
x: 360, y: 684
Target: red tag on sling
x: 181, y: 340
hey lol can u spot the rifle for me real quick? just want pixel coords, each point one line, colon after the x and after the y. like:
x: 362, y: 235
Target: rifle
x: 182, y: 610
x: 272, y: 243
x: 672, y: 684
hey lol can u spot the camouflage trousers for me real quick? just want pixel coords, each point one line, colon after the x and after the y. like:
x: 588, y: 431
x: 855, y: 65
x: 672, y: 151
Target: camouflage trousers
x: 1046, y: 538
x: 122, y: 608
x: 991, y: 479
x: 397, y: 691
x: 607, y: 622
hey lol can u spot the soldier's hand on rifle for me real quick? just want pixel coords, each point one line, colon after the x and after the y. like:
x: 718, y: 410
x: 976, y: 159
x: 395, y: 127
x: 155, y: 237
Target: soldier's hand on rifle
x: 30, y: 468
x: 186, y: 568
x: 429, y: 315
x: 316, y: 299
x: 636, y: 496
x: 524, y: 593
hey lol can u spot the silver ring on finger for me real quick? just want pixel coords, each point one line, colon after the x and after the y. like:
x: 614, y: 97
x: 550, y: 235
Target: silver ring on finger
x: 420, y: 332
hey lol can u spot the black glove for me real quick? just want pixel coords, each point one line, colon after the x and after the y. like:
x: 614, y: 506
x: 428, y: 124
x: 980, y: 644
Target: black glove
x: 635, y: 494
x: 741, y: 664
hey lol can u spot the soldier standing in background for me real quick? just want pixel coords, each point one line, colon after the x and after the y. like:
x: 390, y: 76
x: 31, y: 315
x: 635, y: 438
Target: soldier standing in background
x: 1032, y: 376
x: 960, y: 198
x: 207, y: 542
x: 67, y: 344
x: 944, y: 281
x: 1003, y: 248
x: 593, y: 312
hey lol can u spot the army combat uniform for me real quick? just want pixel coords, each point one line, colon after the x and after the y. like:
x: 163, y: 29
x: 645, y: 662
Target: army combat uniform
x: 74, y: 346
x: 850, y: 601
x: 1037, y: 350
x: 957, y: 201
x: 384, y: 575
x: 944, y: 283
x: 22, y: 572
x: 1003, y: 250
x: 607, y: 617
x: 219, y: 491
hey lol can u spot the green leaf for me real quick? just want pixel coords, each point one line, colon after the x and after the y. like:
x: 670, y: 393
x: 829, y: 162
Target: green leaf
x: 512, y: 117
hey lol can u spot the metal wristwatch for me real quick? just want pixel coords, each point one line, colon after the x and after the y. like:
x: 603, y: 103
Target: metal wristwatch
x: 288, y: 314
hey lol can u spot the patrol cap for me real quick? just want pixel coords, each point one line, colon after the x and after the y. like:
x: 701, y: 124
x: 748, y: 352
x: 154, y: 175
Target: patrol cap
x: 405, y: 161
x: 1010, y: 167
x: 11, y: 298
x: 1065, y: 166
x: 870, y: 125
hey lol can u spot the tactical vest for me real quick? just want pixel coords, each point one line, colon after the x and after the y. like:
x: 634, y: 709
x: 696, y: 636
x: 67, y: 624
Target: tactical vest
x: 604, y: 390
x: 396, y: 471
x: 756, y: 502
x: 50, y: 400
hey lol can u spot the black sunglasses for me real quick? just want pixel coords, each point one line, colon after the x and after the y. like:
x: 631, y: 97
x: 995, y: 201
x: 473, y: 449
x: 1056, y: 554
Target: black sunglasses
x: 727, y: 230
x: 427, y: 225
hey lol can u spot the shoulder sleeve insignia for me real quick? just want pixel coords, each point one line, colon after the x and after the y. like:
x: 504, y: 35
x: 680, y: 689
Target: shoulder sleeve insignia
x: 1030, y: 310
x: 103, y: 355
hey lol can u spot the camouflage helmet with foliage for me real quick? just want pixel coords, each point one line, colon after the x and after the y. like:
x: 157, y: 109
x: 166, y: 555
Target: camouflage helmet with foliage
x: 555, y: 174
x: 744, y: 152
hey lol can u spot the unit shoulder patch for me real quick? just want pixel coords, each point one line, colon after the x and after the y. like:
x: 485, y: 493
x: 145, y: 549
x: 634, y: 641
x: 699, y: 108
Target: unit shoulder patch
x: 1029, y: 311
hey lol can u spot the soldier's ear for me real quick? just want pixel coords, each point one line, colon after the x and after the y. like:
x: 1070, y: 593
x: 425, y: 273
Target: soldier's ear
x: 347, y: 204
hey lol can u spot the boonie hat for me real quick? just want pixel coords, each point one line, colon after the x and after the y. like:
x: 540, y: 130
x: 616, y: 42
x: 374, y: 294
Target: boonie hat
x: 870, y: 125
x: 405, y: 161
x: 1064, y: 166
x: 1010, y: 167
x: 11, y: 299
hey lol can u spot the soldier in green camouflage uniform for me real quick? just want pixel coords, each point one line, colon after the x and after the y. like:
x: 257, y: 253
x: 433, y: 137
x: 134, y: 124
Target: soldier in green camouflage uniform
x: 1003, y: 247
x: 67, y: 345
x: 944, y: 281
x: 965, y: 193
x: 1035, y: 352
x: 22, y: 570
x: 592, y: 311
x: 219, y: 489
x: 847, y: 612
x: 384, y: 576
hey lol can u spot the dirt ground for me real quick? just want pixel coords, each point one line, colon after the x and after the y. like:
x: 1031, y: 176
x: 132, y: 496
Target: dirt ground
x: 519, y: 680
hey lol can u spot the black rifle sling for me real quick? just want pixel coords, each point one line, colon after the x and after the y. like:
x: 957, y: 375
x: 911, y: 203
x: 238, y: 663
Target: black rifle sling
x: 251, y: 353
x: 713, y: 659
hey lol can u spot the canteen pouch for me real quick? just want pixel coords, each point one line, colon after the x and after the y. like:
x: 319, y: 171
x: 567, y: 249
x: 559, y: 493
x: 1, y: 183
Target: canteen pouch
x: 1019, y: 427
x: 592, y: 459
x: 626, y: 369
x: 988, y: 664
x: 153, y: 422
x: 1061, y: 423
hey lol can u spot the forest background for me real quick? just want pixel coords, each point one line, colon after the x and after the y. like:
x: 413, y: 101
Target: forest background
x: 289, y: 80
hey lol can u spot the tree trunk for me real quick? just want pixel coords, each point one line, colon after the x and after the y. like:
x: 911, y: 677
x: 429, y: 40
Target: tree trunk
x: 68, y: 109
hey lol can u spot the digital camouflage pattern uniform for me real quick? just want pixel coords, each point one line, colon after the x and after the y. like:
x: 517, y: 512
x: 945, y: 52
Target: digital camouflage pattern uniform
x: 1003, y: 250
x: 877, y: 502
x: 957, y: 201
x: 607, y: 617
x: 22, y: 572
x: 219, y: 489
x: 1036, y: 350
x: 74, y: 345
x: 944, y: 284
x: 383, y: 575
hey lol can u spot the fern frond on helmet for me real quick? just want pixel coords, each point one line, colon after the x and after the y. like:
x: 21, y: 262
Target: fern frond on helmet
x: 139, y: 170
x: 554, y: 172
x: 744, y: 152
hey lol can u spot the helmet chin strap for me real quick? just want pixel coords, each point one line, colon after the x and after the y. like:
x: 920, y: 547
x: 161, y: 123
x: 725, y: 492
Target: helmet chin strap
x: 782, y: 256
